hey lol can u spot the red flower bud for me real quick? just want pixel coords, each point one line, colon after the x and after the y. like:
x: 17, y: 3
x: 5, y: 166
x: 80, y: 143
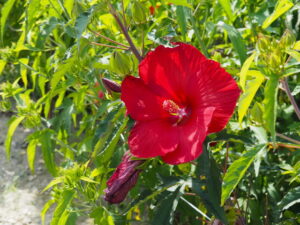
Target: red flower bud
x: 100, y: 95
x: 152, y: 10
x: 122, y: 180
x: 111, y: 85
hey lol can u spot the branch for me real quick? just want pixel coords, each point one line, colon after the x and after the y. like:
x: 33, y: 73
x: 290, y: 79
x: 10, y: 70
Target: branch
x: 291, y: 97
x: 110, y: 46
x: 288, y: 138
x: 125, y: 32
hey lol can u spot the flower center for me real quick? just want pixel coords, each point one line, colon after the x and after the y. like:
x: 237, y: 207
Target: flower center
x: 178, y: 114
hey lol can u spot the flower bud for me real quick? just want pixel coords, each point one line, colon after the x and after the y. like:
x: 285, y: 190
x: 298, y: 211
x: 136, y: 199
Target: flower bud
x: 111, y: 86
x: 139, y: 12
x: 263, y: 43
x: 100, y: 94
x: 288, y: 39
x: 151, y: 10
x: 120, y: 63
x: 123, y: 179
x: 274, y: 61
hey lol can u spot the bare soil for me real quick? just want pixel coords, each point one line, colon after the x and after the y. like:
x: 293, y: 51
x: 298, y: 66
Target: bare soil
x: 21, y: 200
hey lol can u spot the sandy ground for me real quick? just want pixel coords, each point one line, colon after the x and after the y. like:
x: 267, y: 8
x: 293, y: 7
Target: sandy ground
x: 20, y: 191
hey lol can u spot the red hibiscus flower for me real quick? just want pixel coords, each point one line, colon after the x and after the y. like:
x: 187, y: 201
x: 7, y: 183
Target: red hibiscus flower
x: 180, y: 98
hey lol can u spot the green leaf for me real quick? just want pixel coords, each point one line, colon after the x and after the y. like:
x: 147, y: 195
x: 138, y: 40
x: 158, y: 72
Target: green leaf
x: 32, y: 9
x: 2, y: 65
x: 179, y: 2
x: 237, y: 170
x: 180, y: 13
x: 297, y: 46
x: 24, y: 70
x: 209, y: 187
x: 61, y: 71
x: 109, y: 150
x: 237, y: 41
x: 244, y: 70
x: 6, y: 8
x: 294, y: 54
x: 291, y: 198
x: 48, y: 151
x: 270, y: 105
x: 87, y: 179
x: 164, y: 212
x: 55, y: 181
x: 66, y: 198
x: 45, y: 209
x: 226, y: 4
x: 281, y: 7
x: 14, y: 123
x: 31, y: 148
x: 82, y: 21
x: 248, y: 95
x: 69, y: 4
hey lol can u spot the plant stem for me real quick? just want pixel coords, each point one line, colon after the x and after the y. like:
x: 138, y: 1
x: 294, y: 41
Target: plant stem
x: 110, y: 46
x: 125, y: 32
x: 108, y: 39
x: 288, y: 138
x: 291, y: 97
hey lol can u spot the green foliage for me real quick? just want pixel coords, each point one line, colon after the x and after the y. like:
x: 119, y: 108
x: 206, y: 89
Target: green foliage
x: 52, y: 58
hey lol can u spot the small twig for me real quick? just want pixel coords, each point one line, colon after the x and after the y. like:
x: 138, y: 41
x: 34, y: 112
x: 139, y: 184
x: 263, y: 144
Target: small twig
x: 124, y: 31
x: 226, y: 158
x: 110, y: 46
x: 291, y: 97
x: 288, y: 138
x: 108, y: 39
x: 123, y: 12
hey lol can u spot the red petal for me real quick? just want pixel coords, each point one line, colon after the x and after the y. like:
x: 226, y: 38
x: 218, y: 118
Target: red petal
x: 191, y: 137
x: 153, y: 138
x: 165, y: 70
x: 140, y: 101
x: 215, y: 88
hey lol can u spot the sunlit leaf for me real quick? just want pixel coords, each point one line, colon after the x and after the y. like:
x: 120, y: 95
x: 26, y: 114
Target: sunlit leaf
x: 2, y: 65
x: 294, y: 54
x: 67, y: 197
x: 45, y: 209
x: 270, y: 105
x: 244, y: 70
x: 179, y: 2
x: 31, y: 148
x: 281, y: 7
x: 14, y: 123
x: 24, y: 61
x: 226, y: 4
x: 248, y: 95
x: 6, y: 8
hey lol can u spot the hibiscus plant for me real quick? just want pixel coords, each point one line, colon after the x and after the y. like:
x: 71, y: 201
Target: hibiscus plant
x: 157, y: 112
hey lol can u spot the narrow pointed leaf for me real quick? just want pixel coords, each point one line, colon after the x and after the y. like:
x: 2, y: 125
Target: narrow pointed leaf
x: 270, y: 105
x: 237, y: 170
x: 237, y: 41
x: 281, y: 7
x: 6, y: 8
x: 226, y: 4
x: 248, y: 96
x: 11, y: 130
x: 244, y: 70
